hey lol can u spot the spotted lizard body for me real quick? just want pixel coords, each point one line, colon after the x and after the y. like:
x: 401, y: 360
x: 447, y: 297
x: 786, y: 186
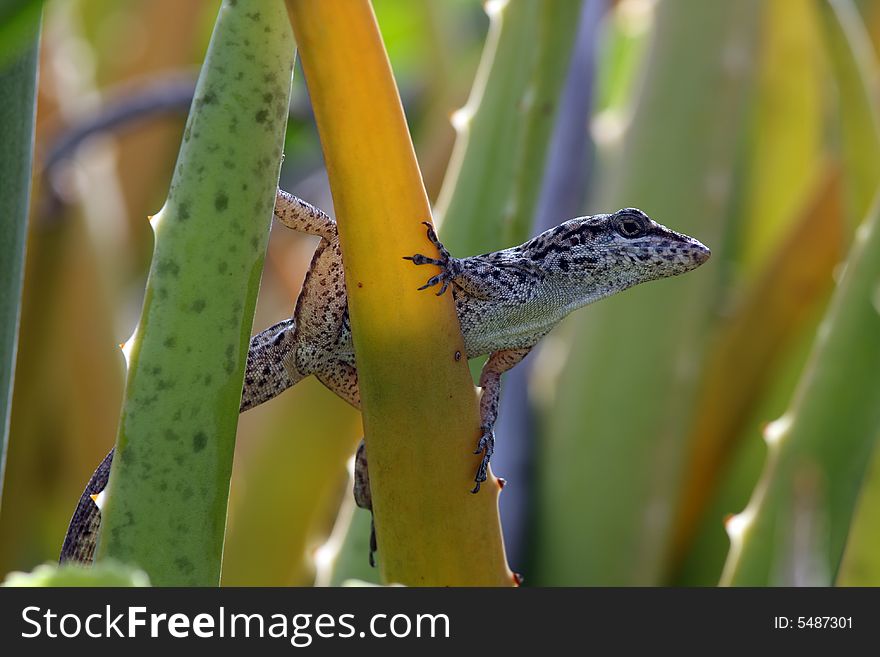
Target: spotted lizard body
x: 506, y: 302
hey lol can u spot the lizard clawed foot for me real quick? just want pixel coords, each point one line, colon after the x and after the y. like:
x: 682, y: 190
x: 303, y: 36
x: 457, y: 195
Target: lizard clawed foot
x: 363, y: 496
x: 373, y: 545
x: 486, y: 446
x: 446, y: 262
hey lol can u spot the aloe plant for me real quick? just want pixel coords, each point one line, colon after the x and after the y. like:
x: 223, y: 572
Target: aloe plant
x: 817, y: 463
x: 791, y: 234
x: 650, y: 405
x: 19, y: 24
x: 802, y: 239
x: 166, y: 500
x: 783, y: 158
x: 742, y: 373
x: 18, y: 82
x: 491, y: 187
x: 795, y: 527
x: 109, y: 573
x: 618, y: 427
x: 856, y: 72
x: 418, y: 403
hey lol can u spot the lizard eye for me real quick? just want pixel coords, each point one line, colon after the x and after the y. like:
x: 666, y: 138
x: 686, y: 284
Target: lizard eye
x: 630, y: 227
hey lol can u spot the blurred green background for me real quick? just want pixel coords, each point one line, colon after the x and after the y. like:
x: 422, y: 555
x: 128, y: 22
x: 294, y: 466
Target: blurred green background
x: 635, y: 430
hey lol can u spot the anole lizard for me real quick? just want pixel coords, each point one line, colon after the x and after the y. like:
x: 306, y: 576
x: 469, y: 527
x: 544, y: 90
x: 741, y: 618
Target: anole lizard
x: 506, y: 302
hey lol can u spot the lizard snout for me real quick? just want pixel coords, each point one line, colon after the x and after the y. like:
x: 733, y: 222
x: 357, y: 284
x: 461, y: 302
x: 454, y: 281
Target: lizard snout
x: 701, y: 252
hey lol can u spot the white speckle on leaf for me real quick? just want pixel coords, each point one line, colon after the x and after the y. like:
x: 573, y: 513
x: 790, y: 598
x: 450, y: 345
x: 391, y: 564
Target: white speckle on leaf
x: 461, y: 118
x: 100, y: 499
x: 774, y: 431
x: 862, y: 232
x: 553, y: 353
x: 494, y: 7
x: 156, y: 221
x: 327, y: 554
x: 126, y: 348
x: 823, y: 330
x: 528, y: 99
x: 634, y: 17
x: 608, y: 126
x: 737, y: 524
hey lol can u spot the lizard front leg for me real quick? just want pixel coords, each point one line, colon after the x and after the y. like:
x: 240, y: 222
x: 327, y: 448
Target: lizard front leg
x: 304, y: 217
x: 490, y: 276
x: 490, y: 381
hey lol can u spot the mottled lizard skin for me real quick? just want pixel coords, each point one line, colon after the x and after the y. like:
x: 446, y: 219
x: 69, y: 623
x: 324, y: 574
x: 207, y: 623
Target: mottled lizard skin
x: 506, y: 302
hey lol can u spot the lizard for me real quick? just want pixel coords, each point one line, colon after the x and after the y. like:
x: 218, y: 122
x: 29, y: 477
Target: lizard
x: 506, y: 301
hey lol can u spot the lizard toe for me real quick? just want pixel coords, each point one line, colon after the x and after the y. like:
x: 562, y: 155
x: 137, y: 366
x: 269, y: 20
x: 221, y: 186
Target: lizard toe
x: 420, y: 259
x: 442, y: 277
x: 487, y: 441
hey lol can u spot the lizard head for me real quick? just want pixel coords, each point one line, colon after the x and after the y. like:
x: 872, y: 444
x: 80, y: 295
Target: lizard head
x: 627, y: 247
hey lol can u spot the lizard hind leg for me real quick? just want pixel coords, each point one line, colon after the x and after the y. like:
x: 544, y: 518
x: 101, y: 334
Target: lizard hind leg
x: 363, y: 497
x: 269, y: 370
x: 490, y: 381
x: 341, y: 378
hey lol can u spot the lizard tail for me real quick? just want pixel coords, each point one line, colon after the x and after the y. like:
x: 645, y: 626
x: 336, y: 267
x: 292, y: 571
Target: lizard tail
x: 266, y: 374
x: 265, y: 377
x: 82, y: 533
